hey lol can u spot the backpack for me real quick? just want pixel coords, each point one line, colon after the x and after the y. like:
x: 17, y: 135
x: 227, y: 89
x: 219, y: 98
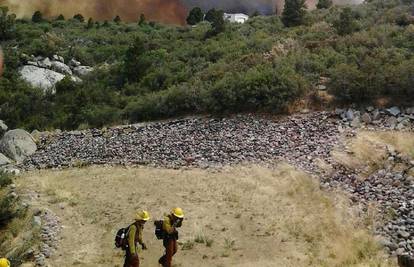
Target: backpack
x: 159, y: 231
x: 121, y: 237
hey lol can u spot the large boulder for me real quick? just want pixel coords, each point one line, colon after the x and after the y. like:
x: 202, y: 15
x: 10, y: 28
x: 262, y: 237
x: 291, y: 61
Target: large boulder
x: 39, y: 77
x: 61, y: 68
x: 17, y: 145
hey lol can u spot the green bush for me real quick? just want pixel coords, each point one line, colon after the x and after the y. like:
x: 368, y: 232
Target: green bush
x: 5, y: 179
x: 7, y: 24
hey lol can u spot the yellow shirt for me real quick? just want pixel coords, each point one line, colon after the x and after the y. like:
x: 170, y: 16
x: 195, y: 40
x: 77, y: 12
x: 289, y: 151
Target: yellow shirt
x: 134, y: 237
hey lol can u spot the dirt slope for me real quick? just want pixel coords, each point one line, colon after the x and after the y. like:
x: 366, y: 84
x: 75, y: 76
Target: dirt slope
x: 246, y: 216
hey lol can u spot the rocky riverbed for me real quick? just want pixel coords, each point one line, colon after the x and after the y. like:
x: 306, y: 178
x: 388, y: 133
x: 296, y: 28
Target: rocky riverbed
x: 302, y: 139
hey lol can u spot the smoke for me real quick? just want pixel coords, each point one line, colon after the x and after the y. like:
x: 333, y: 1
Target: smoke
x: 166, y: 11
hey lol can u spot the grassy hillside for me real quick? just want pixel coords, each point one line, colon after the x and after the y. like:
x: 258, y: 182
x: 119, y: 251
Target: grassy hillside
x: 151, y: 71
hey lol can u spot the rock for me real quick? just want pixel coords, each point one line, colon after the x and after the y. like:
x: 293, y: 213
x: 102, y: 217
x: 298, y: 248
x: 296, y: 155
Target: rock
x: 4, y: 160
x: 366, y: 118
x: 370, y: 108
x: 46, y: 63
x: 14, y: 195
x: 61, y: 68
x: 39, y: 77
x: 74, y: 63
x: 37, y: 221
x: 404, y: 234
x: 400, y: 251
x: 3, y: 128
x: 410, y: 111
x: 82, y: 70
x: 375, y: 115
x: 321, y: 87
x: 394, y: 111
x: 17, y: 145
x: 356, y: 122
x: 58, y: 58
x: 349, y: 115
x: 391, y: 122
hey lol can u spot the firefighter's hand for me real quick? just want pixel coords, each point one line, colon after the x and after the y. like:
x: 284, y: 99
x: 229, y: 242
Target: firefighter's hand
x: 144, y: 247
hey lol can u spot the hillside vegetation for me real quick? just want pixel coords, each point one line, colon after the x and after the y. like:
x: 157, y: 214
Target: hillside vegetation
x: 147, y: 71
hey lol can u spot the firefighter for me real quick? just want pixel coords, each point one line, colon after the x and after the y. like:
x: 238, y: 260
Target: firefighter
x: 170, y: 225
x: 135, y: 237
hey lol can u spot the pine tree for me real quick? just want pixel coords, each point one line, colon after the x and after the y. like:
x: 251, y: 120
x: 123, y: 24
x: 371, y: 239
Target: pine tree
x: 117, y: 19
x: 195, y: 16
x: 141, y: 20
x: 294, y: 12
x: 37, y: 17
x: 60, y: 17
x: 90, y: 24
x: 346, y: 23
x: 79, y: 17
x: 324, y: 4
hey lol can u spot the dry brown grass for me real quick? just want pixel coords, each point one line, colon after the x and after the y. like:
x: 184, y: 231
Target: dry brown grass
x: 368, y: 150
x: 249, y: 216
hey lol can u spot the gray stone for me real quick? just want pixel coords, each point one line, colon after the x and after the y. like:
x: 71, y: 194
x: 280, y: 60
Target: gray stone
x: 410, y: 111
x: 370, y: 108
x: 356, y: 122
x: 74, y: 63
x: 366, y: 118
x: 391, y: 122
x: 61, y: 68
x: 404, y: 234
x: 39, y: 77
x: 17, y: 145
x: 37, y: 221
x: 3, y: 128
x: 4, y: 160
x: 82, y: 70
x: 375, y: 115
x: 321, y: 87
x: 349, y: 115
x: 58, y: 58
x: 394, y: 111
x: 46, y: 63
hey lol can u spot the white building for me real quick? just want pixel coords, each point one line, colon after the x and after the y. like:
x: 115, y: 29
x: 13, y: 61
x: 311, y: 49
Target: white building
x: 239, y: 17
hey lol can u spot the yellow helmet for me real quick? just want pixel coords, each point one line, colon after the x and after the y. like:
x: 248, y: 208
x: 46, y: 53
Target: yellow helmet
x: 142, y: 215
x: 4, y: 262
x: 178, y: 212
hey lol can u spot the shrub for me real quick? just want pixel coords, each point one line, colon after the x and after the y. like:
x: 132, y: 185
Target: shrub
x: 346, y: 23
x: 5, y: 179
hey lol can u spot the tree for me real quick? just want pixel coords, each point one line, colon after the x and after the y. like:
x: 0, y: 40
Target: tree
x: 90, y: 24
x: 37, y: 17
x: 255, y: 13
x: 346, y: 23
x: 117, y: 19
x: 324, y: 4
x: 195, y: 16
x: 60, y: 17
x: 79, y: 17
x: 134, y: 67
x: 141, y: 20
x: 216, y: 17
x: 294, y: 12
x: 210, y: 15
x: 7, y: 24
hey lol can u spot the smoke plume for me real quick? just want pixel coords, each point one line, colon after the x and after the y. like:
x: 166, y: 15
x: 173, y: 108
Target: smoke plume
x: 166, y: 11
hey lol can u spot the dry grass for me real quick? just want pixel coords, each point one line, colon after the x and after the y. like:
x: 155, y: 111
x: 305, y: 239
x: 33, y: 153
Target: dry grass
x: 244, y: 216
x: 368, y: 150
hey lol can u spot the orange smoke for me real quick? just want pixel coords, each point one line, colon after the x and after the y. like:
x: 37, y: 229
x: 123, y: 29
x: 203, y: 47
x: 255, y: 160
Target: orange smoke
x: 165, y: 11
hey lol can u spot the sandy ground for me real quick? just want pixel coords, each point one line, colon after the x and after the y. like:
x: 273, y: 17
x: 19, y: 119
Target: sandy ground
x: 248, y: 216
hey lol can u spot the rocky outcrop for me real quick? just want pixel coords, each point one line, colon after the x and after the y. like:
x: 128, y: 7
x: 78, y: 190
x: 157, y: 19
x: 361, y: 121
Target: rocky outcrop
x: 3, y: 128
x: 17, y: 145
x: 4, y: 160
x: 45, y: 73
x: 391, y: 118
